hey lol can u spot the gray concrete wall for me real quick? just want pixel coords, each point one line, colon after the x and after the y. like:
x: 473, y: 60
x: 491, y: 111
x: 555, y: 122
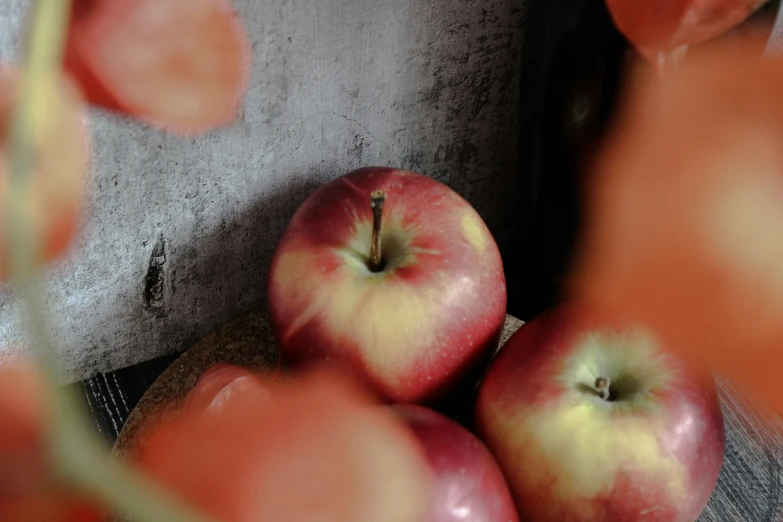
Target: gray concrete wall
x: 427, y: 85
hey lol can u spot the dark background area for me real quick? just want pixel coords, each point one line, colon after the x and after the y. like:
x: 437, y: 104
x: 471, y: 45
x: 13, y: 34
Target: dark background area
x: 570, y: 72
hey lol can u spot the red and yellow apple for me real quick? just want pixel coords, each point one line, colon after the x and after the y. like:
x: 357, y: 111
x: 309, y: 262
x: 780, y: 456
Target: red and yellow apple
x: 592, y: 420
x: 416, y: 325
x: 468, y: 483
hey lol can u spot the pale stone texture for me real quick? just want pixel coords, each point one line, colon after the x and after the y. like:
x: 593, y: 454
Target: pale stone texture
x: 430, y: 86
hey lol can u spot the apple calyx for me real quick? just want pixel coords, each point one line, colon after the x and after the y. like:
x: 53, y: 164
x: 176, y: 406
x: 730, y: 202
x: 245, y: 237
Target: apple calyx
x: 602, y: 386
x: 377, y: 199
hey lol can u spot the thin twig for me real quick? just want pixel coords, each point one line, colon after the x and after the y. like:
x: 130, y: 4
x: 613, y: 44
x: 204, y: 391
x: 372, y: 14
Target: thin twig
x: 76, y: 454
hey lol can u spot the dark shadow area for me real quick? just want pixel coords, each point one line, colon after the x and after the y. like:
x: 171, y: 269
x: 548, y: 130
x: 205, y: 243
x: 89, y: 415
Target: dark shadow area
x: 570, y: 73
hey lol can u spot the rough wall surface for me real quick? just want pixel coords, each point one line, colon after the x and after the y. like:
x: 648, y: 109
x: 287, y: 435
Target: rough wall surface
x: 179, y: 232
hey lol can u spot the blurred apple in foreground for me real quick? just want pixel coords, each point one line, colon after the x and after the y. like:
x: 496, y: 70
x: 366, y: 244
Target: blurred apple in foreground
x: 591, y: 421
x: 319, y: 450
x: 684, y: 212
x: 469, y: 484
x: 662, y: 26
x: 413, y: 321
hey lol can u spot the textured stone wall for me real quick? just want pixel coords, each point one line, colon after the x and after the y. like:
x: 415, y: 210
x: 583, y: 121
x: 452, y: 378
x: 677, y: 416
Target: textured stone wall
x: 179, y: 231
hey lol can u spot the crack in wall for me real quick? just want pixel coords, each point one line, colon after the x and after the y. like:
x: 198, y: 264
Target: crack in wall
x: 155, y: 279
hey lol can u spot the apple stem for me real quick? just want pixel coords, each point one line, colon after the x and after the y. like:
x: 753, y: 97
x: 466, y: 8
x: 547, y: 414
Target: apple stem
x: 602, y: 385
x: 377, y: 199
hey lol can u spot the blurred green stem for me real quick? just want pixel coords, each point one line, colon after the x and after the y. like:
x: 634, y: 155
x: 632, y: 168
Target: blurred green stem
x: 76, y: 453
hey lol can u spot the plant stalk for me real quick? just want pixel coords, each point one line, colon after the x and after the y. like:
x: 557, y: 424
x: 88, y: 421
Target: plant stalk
x: 75, y: 452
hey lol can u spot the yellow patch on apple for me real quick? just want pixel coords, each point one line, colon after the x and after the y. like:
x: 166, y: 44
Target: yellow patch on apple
x: 389, y: 324
x: 577, y: 444
x: 474, y: 231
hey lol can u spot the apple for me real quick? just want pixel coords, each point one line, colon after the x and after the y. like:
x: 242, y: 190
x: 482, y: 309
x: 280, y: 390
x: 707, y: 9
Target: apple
x: 592, y: 420
x: 219, y: 383
x: 468, y: 483
x: 320, y: 451
x: 392, y: 277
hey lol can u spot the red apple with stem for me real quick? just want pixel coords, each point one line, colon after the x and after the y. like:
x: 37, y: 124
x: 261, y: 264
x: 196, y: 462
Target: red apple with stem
x: 392, y: 277
x: 591, y: 420
x: 468, y: 482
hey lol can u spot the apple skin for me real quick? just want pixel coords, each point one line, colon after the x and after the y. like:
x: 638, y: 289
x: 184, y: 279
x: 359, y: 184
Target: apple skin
x: 468, y: 482
x: 661, y: 27
x: 220, y: 383
x: 412, y: 332
x: 653, y: 454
